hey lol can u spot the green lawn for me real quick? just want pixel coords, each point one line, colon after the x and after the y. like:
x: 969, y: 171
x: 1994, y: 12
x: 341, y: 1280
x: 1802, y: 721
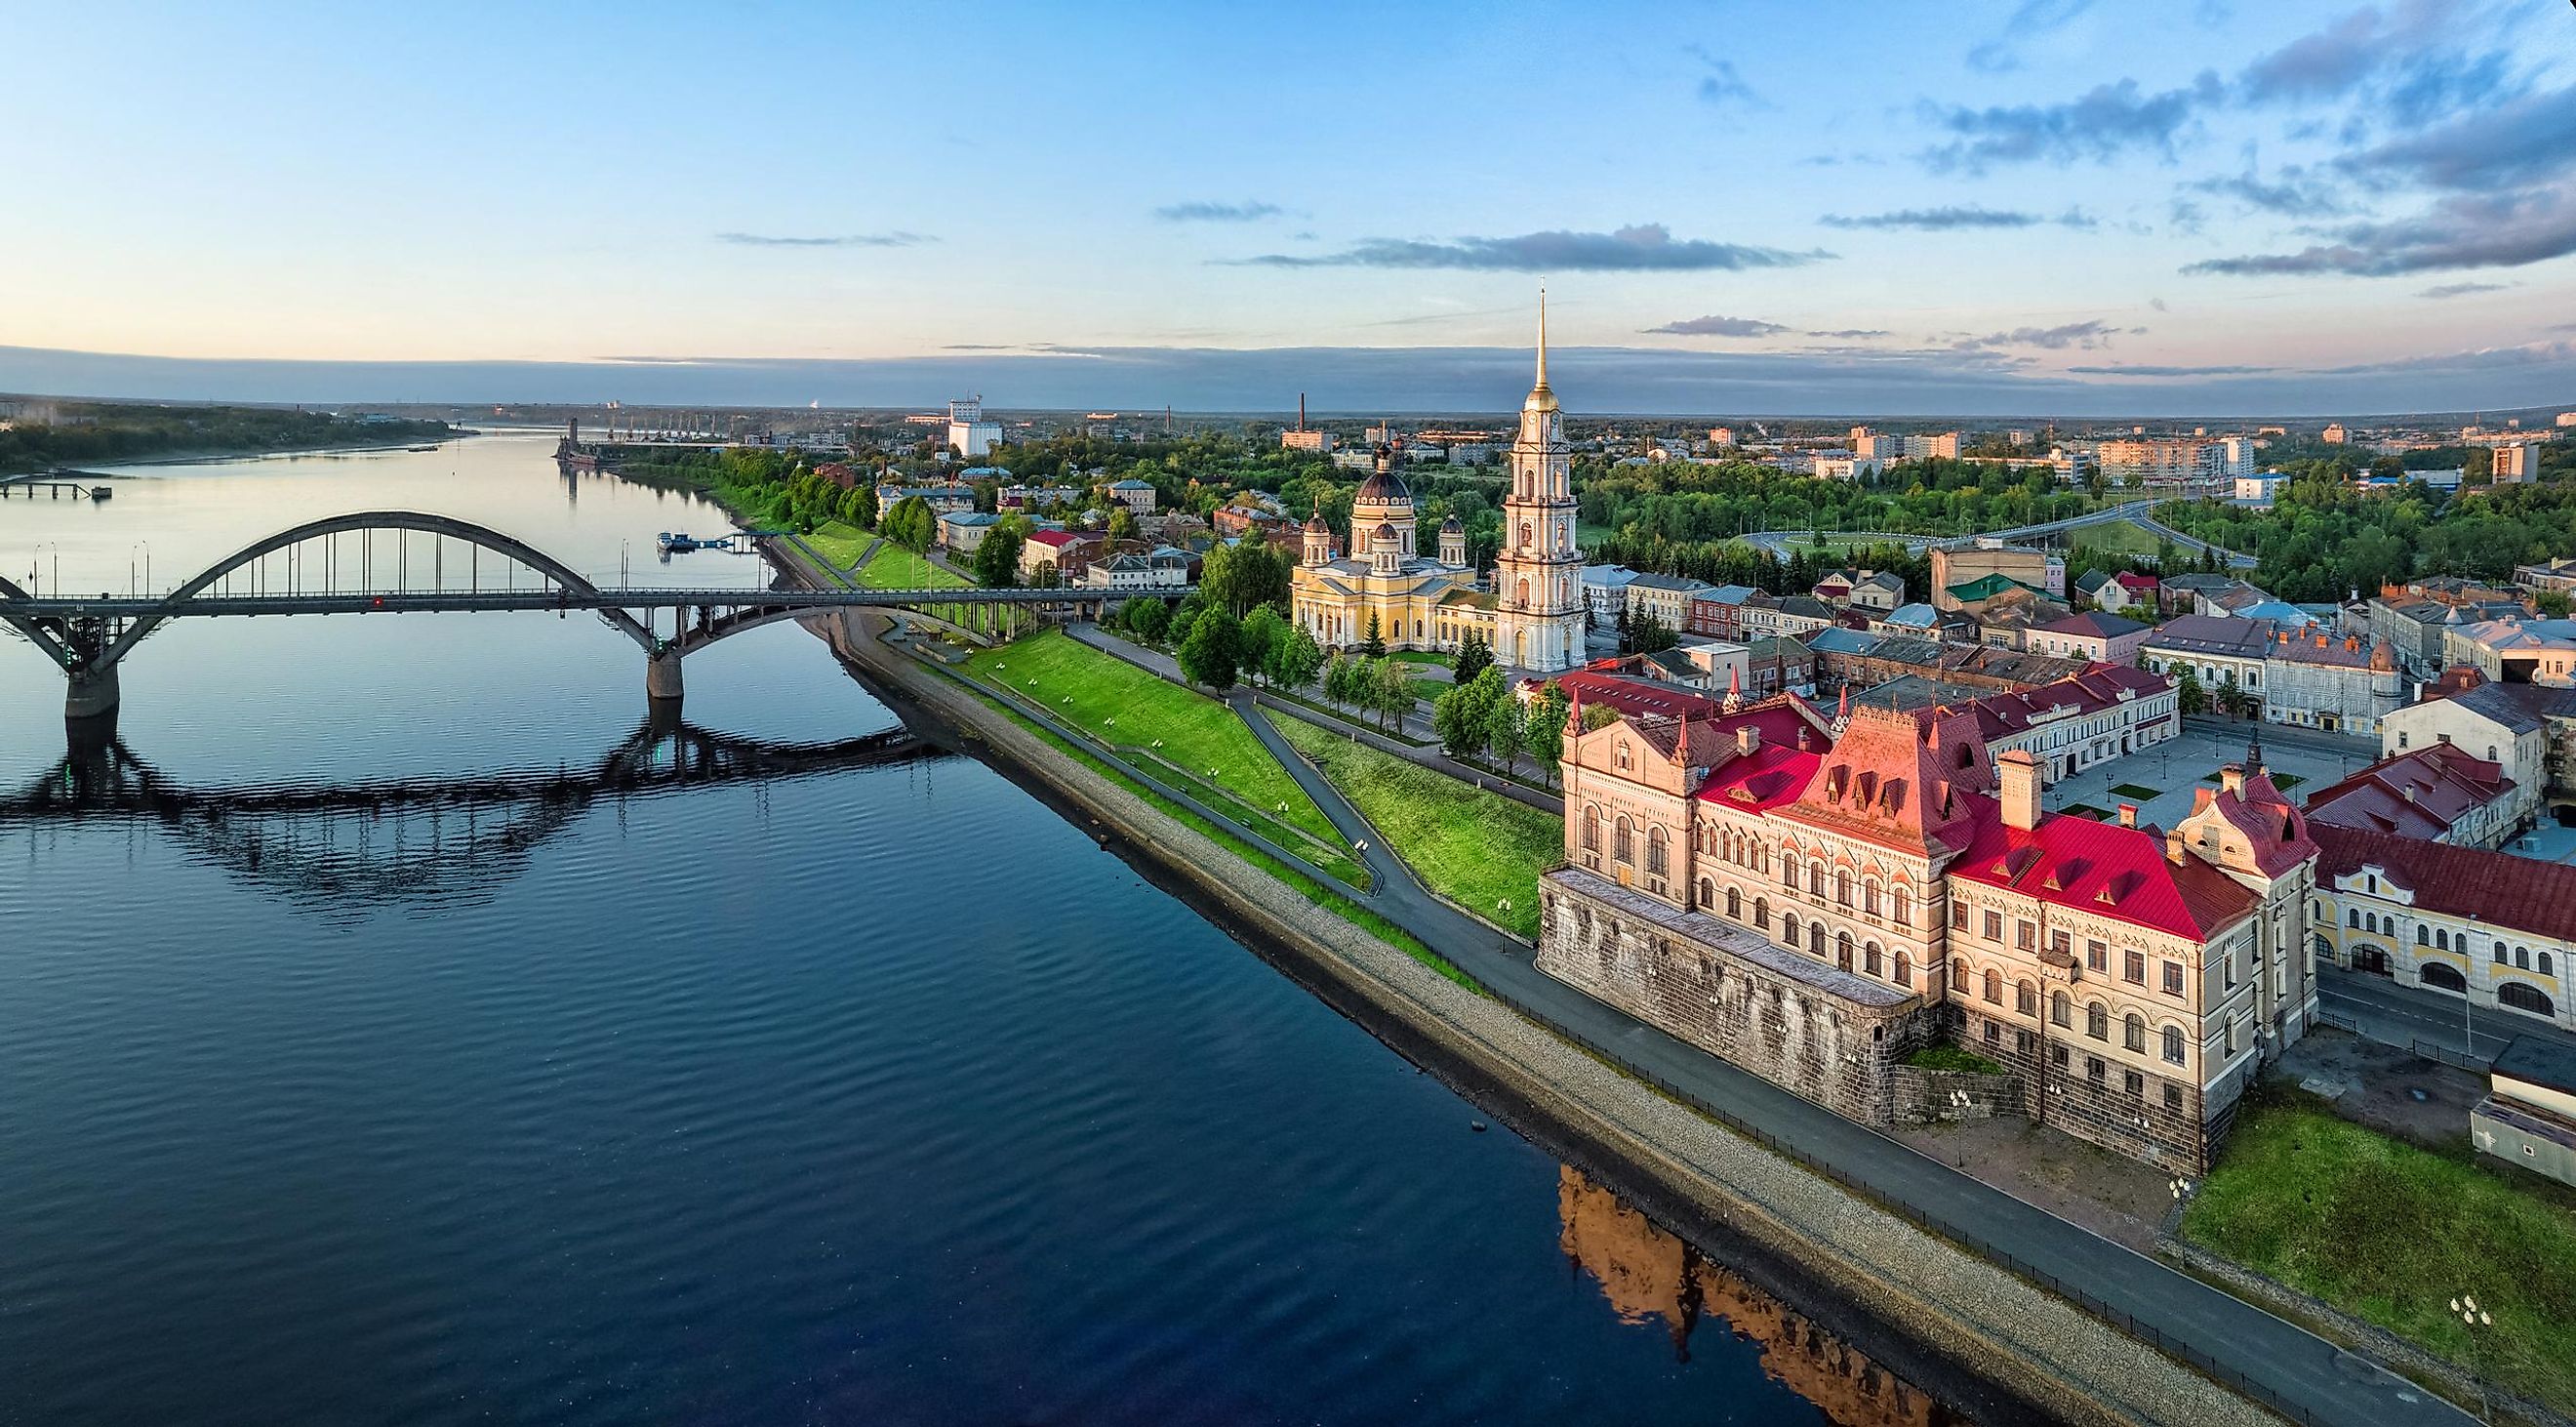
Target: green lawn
x: 2118, y: 537
x: 1120, y: 703
x: 1428, y: 689
x: 895, y: 568
x: 2390, y: 1233
x: 1423, y: 656
x: 1478, y: 849
x: 839, y: 543
x: 2136, y: 790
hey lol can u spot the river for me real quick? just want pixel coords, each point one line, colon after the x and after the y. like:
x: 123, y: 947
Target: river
x: 380, y: 1059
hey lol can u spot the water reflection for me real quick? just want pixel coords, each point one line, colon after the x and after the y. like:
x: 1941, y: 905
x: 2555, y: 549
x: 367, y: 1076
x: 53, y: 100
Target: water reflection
x: 1647, y: 1272
x: 343, y: 848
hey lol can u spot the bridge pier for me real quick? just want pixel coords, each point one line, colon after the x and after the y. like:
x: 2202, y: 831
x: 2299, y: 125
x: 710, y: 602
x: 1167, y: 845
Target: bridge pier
x: 662, y: 677
x: 92, y: 694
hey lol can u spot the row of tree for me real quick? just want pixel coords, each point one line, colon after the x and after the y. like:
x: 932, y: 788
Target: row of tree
x: 1483, y: 718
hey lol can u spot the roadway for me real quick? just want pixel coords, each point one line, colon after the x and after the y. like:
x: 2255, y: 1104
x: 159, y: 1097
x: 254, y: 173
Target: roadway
x: 475, y: 601
x: 2383, y: 1011
x: 1781, y: 544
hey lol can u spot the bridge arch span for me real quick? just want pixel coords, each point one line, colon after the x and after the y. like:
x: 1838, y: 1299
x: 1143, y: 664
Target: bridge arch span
x: 418, y: 522
x: 37, y: 634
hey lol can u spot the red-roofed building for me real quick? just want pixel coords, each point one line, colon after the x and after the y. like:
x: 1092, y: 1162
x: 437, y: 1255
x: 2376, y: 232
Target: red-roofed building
x: 2454, y: 921
x: 2108, y: 711
x: 2442, y: 793
x: 1813, y: 909
x: 1070, y: 551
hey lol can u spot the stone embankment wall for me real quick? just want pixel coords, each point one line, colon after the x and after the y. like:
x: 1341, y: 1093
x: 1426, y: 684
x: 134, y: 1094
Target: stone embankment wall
x: 1922, y: 1096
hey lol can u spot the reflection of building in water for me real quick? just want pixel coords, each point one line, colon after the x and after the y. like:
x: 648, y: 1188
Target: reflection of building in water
x: 1647, y: 1272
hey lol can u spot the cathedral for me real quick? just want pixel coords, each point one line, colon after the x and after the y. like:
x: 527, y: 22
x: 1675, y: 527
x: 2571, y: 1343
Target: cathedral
x: 1531, y: 612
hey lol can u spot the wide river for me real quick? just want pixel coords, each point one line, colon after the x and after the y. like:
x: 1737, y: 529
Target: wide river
x: 387, y: 1035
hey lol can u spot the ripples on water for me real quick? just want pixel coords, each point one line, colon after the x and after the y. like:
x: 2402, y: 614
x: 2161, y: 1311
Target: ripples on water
x: 868, y: 1095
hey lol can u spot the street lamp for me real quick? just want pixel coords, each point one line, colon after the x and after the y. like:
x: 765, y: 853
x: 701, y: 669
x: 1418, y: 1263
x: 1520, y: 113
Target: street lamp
x: 2478, y: 1322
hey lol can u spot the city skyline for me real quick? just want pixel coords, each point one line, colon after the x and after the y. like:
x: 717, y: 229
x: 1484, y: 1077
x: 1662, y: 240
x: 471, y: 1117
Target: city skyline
x: 1999, y: 209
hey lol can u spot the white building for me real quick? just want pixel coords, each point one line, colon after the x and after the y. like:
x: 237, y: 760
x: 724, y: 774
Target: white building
x: 1945, y: 446
x: 2514, y: 464
x: 968, y: 431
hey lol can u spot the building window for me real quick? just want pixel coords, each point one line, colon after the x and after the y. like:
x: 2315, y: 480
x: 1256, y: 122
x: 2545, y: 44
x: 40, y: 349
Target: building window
x: 1761, y: 914
x: 2173, y: 1045
x: 1994, y: 926
x: 1842, y: 889
x: 2063, y: 945
x: 1816, y: 939
x: 2097, y: 1021
x: 1870, y: 960
x: 1904, y: 908
x: 1904, y: 969
x: 2097, y: 957
x: 1958, y: 916
x: 2499, y: 954
x: 1622, y: 845
x: 1788, y: 929
x: 1843, y: 950
x: 1869, y: 898
x: 1655, y: 852
x: 2061, y: 1009
x: 1994, y: 1033
x: 2057, y: 1056
x: 2351, y: 918
x: 2026, y: 999
x: 2173, y: 1098
x: 2133, y: 1031
x: 2134, y: 1083
x: 2094, y: 1069
x: 1959, y: 974
x: 2544, y: 965
x: 2026, y: 934
x: 2173, y: 978
x: 1591, y: 830
x: 1995, y: 987
x: 2133, y: 967
x: 1816, y: 880
x: 1734, y: 901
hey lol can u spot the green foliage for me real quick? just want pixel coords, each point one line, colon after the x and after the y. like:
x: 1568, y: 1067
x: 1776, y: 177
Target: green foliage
x: 997, y: 555
x: 81, y: 433
x: 1264, y: 631
x: 1242, y: 576
x: 1213, y: 651
x: 1950, y: 1057
x: 1474, y: 656
x: 910, y: 524
x: 1649, y: 635
x: 2392, y: 1233
x: 1543, y: 731
x: 2188, y: 694
x: 1295, y: 659
x: 1373, y: 643
x: 1146, y: 618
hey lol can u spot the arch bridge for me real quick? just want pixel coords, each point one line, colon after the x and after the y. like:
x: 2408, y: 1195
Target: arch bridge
x: 312, y: 569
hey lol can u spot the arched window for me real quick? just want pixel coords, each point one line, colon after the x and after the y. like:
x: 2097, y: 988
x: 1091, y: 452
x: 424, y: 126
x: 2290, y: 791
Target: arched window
x: 1788, y: 873
x: 1591, y: 830
x: 1869, y: 897
x: 1904, y: 969
x: 2173, y: 1045
x: 1761, y: 914
x: 2133, y: 1031
x: 2351, y: 916
x: 2026, y: 998
x: 1708, y: 893
x: 2443, y: 977
x: 1816, y: 879
x: 2061, y: 1010
x: 2499, y: 954
x: 1995, y: 987
x: 2522, y: 957
x: 2420, y: 938
x: 1788, y: 929
x: 1655, y: 851
x: 1816, y: 938
x: 1871, y: 960
x: 1734, y: 905
x: 2525, y: 997
x: 2097, y: 1021
x: 1843, y: 950
x: 2544, y: 965
x: 2441, y: 939
x: 1622, y: 847
x: 1959, y: 974
x: 1904, y: 907
x: 1842, y: 888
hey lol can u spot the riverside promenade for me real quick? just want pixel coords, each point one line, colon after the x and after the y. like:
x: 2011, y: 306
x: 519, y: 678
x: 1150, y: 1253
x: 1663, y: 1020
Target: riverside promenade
x: 1937, y: 1254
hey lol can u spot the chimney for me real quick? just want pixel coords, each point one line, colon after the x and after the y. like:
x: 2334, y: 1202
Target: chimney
x: 1301, y: 411
x: 2019, y: 771
x: 1748, y: 740
x: 2231, y: 779
x: 2128, y: 815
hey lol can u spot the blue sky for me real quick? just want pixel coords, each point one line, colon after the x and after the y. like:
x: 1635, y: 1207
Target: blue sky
x: 2026, y: 207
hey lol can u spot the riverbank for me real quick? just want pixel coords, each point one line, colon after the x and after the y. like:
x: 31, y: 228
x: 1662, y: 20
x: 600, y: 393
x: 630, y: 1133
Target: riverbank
x: 1954, y: 1315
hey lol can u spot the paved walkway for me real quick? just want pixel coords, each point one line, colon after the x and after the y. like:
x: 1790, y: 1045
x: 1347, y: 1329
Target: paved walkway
x: 2391, y: 1014
x: 2286, y: 1362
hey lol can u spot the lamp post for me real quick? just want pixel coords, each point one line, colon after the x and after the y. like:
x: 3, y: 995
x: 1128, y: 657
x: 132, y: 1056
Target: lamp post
x: 2478, y: 1321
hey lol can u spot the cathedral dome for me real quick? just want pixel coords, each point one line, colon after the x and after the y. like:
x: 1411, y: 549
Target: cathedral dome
x: 1453, y: 525
x: 1383, y: 487
x: 1385, y: 532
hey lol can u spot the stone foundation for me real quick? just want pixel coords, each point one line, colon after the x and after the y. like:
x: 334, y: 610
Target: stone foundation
x: 2135, y: 1124
x: 1825, y: 1034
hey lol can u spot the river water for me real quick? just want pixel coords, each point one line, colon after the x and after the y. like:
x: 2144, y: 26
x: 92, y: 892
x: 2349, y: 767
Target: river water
x: 375, y: 1058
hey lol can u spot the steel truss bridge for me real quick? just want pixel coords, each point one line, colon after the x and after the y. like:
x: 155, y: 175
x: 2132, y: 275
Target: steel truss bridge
x: 349, y: 846
x: 374, y: 563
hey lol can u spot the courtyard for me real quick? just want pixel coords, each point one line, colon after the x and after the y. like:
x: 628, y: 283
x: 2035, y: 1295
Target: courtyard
x: 2164, y: 780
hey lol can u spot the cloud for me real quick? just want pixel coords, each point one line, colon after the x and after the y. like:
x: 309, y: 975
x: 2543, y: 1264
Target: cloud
x: 1939, y: 220
x: 2150, y: 370
x: 1853, y: 332
x: 1722, y: 86
x: 1719, y: 327
x: 2087, y: 335
x: 2293, y: 191
x: 2474, y: 230
x: 2397, y: 60
x: 2524, y: 140
x: 1216, y: 212
x: 1644, y: 247
x: 2462, y: 289
x: 846, y: 240
x: 2032, y: 19
x: 2100, y: 125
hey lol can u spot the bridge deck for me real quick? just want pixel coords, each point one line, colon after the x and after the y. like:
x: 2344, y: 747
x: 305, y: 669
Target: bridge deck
x: 466, y: 601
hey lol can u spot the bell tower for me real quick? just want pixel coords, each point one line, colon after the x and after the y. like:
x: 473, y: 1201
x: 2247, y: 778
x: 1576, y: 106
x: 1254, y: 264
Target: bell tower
x: 1539, y: 615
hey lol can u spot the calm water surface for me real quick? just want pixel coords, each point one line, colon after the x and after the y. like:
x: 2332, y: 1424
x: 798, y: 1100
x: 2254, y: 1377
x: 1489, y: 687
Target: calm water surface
x: 859, y: 1094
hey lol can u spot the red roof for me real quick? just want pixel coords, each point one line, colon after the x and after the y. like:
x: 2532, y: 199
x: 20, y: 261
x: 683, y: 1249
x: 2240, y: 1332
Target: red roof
x: 2103, y: 868
x: 2495, y: 888
x: 2132, y: 580
x: 1898, y: 780
x: 1773, y: 775
x: 2275, y: 829
x: 1055, y: 539
x: 2417, y: 794
x: 2099, y: 687
x: 1637, y: 696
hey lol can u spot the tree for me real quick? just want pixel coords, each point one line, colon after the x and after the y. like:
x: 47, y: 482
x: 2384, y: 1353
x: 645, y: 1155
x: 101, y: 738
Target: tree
x: 1391, y: 691
x: 1294, y: 662
x: 1373, y: 644
x: 1458, y: 717
x: 1244, y: 575
x: 1211, y: 653
x: 1474, y: 657
x: 1122, y: 523
x: 1146, y: 618
x: 1504, y: 729
x: 1263, y: 632
x: 2188, y: 696
x: 1338, y: 676
x: 910, y: 524
x: 1649, y: 635
x: 2553, y: 603
x: 1543, y: 732
x: 997, y: 555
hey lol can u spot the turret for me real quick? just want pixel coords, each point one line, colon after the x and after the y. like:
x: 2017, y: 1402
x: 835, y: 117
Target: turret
x: 1453, y: 543
x: 1318, y: 537
x: 1386, y: 551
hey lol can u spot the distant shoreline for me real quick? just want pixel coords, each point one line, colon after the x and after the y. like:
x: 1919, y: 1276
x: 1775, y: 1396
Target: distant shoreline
x: 200, y: 458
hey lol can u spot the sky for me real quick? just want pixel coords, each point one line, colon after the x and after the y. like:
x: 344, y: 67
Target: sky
x: 2025, y: 207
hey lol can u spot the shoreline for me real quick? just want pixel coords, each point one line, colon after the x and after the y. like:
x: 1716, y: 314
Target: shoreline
x: 1944, y: 1319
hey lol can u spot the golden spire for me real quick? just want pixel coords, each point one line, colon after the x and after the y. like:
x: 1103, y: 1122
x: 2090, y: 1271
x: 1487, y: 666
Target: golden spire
x: 1540, y: 398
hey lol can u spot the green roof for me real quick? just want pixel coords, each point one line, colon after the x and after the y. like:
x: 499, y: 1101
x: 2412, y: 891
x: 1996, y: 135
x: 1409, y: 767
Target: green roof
x: 1986, y: 587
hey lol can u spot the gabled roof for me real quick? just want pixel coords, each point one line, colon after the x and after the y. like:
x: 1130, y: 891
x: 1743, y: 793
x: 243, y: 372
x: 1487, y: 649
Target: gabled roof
x: 2093, y: 626
x: 2102, y: 868
x: 2213, y: 634
x: 2498, y: 889
x: 1843, y: 641
x: 2415, y: 794
x: 1897, y: 781
x: 1915, y: 616
x: 2092, y: 581
x: 1986, y: 587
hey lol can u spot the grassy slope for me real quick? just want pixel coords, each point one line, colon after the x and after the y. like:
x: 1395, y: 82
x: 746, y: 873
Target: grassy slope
x: 838, y: 542
x: 1198, y: 733
x: 895, y: 568
x: 2390, y: 1233
x: 2119, y: 538
x: 1476, y: 848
